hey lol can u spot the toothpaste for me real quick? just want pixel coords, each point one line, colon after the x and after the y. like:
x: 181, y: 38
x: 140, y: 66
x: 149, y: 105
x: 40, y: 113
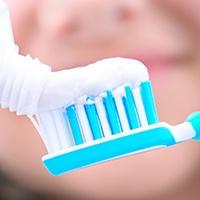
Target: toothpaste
x: 65, y: 86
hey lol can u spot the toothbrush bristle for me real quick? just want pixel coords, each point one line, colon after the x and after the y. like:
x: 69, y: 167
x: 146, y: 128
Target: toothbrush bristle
x: 93, y: 118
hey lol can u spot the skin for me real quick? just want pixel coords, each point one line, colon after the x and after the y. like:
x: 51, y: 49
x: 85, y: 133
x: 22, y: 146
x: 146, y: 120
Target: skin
x: 164, y: 35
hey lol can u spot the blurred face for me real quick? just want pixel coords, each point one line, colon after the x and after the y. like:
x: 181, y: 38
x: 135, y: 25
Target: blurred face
x: 66, y: 34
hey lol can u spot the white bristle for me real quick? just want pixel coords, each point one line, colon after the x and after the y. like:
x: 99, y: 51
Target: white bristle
x: 118, y: 95
x: 140, y: 107
x: 42, y: 131
x: 122, y: 114
x: 63, y: 132
x: 87, y: 134
x: 102, y: 116
x: 49, y: 127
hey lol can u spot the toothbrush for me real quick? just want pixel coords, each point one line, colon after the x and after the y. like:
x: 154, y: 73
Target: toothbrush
x: 115, y: 123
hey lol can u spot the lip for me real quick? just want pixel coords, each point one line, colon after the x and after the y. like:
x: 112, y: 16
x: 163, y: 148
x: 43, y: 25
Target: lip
x: 158, y: 62
x: 155, y: 59
x: 159, y: 65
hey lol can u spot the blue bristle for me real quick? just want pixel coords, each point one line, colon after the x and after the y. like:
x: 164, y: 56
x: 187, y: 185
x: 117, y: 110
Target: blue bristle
x: 148, y: 102
x: 111, y: 112
x: 93, y: 118
x: 130, y: 108
x: 74, y: 124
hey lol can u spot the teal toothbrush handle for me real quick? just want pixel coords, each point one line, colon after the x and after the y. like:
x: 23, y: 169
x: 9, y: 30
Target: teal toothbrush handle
x: 194, y: 119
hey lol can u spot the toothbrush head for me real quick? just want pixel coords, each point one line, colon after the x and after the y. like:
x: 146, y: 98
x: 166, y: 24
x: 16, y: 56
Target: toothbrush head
x: 95, y: 129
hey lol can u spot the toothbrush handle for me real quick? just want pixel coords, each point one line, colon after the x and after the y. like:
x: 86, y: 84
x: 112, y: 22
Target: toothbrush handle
x: 194, y: 119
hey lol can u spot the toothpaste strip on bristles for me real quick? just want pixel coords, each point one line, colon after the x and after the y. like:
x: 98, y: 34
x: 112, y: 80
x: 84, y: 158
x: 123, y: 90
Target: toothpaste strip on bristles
x: 91, y: 80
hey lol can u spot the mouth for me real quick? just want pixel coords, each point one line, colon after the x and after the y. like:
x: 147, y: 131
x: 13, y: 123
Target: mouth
x: 159, y: 65
x: 156, y: 61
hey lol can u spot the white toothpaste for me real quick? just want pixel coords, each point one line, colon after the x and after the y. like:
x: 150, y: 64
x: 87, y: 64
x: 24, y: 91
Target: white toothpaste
x: 28, y: 86
x: 68, y: 85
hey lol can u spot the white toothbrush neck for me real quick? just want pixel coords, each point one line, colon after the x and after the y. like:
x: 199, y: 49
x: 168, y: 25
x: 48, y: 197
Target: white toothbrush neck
x: 182, y: 132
